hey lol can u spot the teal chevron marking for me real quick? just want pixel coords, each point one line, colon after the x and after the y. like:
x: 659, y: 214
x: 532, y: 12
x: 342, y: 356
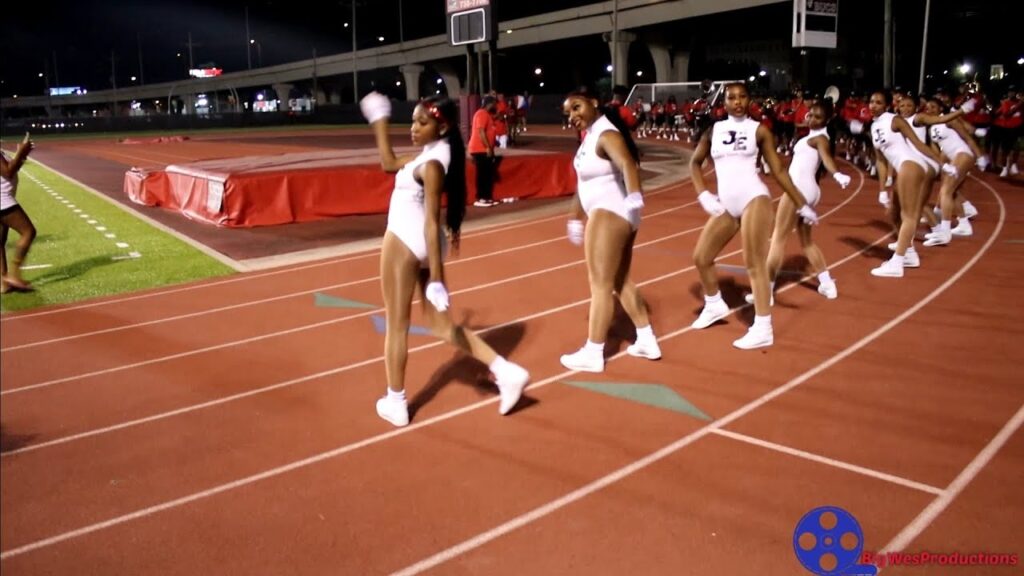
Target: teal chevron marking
x: 380, y: 324
x: 328, y: 301
x: 651, y: 394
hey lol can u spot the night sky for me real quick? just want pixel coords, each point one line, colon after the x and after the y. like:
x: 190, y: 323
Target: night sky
x: 72, y: 42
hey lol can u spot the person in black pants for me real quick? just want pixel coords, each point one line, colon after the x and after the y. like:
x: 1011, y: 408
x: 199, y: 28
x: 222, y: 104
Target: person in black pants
x: 481, y: 147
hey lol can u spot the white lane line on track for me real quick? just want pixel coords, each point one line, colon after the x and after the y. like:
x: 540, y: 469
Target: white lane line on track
x: 626, y: 471
x: 196, y: 314
x: 831, y: 462
x: 224, y: 400
x: 288, y: 270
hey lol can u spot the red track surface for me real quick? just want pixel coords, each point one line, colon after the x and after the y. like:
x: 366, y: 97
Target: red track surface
x: 228, y: 427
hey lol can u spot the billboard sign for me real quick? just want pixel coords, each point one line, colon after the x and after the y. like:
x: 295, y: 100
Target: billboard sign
x: 815, y: 23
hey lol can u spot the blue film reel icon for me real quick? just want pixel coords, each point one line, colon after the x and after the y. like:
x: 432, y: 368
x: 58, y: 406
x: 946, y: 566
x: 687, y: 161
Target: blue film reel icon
x: 828, y: 541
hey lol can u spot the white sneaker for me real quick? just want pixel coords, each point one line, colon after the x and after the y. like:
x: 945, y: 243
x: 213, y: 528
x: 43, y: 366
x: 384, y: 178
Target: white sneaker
x: 888, y: 181
x: 647, y: 349
x: 969, y: 210
x: 888, y: 269
x: 911, y: 259
x: 1013, y: 170
x: 756, y: 337
x: 828, y: 290
x: 712, y: 312
x: 583, y: 360
x: 394, y: 411
x: 1005, y: 172
x: 750, y: 298
x: 873, y: 171
x: 883, y: 198
x: 963, y: 228
x: 511, y: 381
x: 892, y: 246
x: 938, y: 239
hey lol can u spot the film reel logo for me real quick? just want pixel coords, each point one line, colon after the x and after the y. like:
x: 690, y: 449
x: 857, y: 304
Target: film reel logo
x: 828, y: 541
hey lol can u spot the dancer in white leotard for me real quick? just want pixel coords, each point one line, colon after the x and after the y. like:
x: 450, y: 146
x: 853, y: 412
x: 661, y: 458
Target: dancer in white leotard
x: 920, y: 121
x: 12, y: 215
x: 741, y: 205
x: 894, y: 138
x: 411, y: 254
x: 609, y: 193
x: 958, y: 147
x: 809, y: 153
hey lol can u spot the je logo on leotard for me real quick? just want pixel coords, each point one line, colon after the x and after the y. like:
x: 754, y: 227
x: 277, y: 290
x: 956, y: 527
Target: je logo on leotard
x: 828, y: 541
x: 740, y: 142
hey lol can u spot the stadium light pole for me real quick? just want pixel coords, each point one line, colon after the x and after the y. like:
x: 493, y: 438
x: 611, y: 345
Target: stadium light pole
x: 887, y: 47
x: 248, y: 41
x: 615, y: 40
x: 924, y: 47
x: 355, y: 71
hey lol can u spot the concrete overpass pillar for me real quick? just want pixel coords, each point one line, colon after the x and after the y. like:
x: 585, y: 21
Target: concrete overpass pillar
x: 681, y: 67
x: 450, y: 78
x: 411, y: 73
x: 320, y: 96
x: 620, y: 54
x: 284, y: 93
x: 662, y: 62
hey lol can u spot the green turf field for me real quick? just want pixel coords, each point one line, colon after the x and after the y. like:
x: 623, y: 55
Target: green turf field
x: 87, y: 247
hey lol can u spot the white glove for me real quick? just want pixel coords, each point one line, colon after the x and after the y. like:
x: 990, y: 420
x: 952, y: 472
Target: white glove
x: 710, y: 203
x: 856, y: 127
x: 575, y: 230
x: 634, y: 201
x: 950, y: 169
x: 842, y: 179
x: 983, y: 163
x: 968, y: 106
x: 375, y: 106
x: 808, y: 214
x: 437, y: 294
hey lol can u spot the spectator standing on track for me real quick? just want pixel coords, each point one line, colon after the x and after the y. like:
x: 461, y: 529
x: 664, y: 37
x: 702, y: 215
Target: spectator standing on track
x: 609, y: 193
x: 482, y: 136
x: 1006, y: 131
x: 12, y: 215
x: 412, y: 253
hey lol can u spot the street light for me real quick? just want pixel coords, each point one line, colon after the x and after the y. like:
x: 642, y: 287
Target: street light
x: 964, y: 68
x: 1020, y: 61
x: 538, y: 71
x: 259, y: 52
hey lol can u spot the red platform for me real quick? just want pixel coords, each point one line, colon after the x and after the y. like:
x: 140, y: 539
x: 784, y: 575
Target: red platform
x: 299, y: 187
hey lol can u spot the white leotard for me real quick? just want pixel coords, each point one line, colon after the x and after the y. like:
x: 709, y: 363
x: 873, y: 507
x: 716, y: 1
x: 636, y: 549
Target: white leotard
x: 892, y: 144
x: 949, y: 141
x: 8, y: 189
x: 804, y: 168
x: 406, y: 215
x: 734, y: 150
x: 922, y: 135
x: 598, y: 182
